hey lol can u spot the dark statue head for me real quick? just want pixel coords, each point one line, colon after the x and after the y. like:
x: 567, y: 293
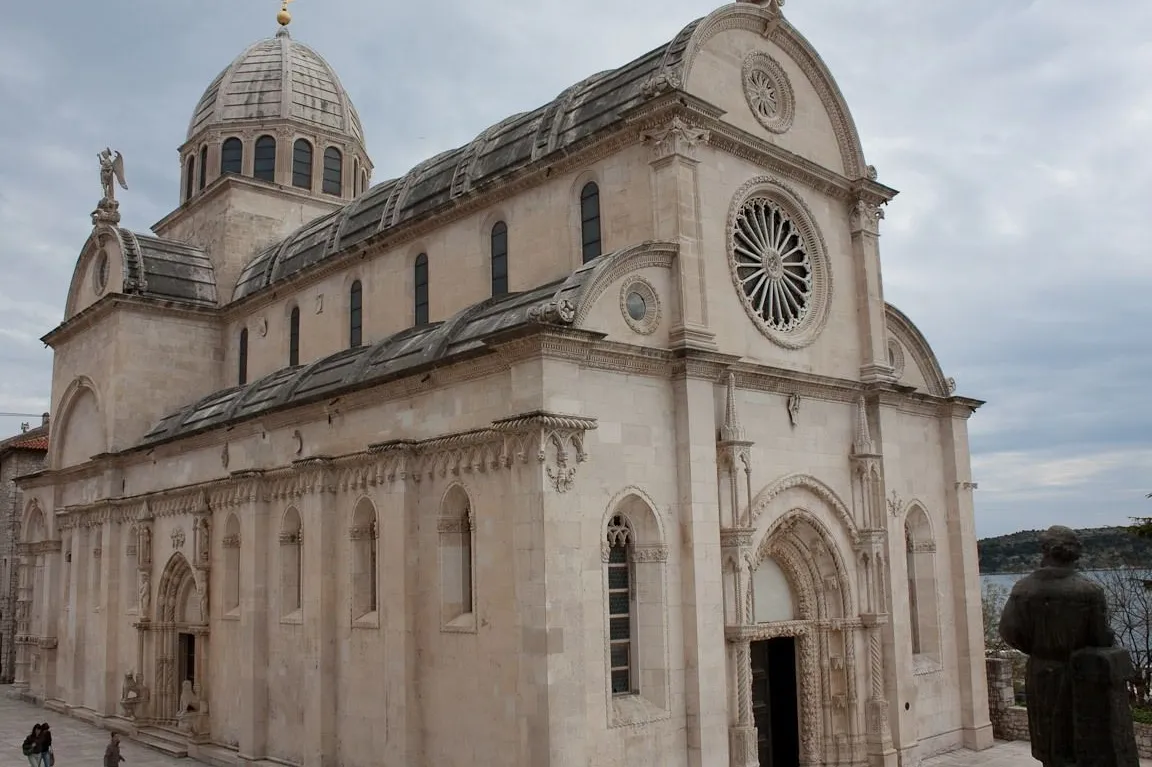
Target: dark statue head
x: 1060, y: 547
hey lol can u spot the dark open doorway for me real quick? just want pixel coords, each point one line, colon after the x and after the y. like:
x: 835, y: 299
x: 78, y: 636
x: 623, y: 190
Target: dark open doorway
x: 775, y: 703
x: 187, y: 659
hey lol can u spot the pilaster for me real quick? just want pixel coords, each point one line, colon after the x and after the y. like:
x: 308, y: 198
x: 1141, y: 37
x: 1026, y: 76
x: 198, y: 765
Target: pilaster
x: 865, y: 218
x: 111, y: 561
x: 873, y: 555
x: 676, y: 218
x: 319, y: 550
x: 80, y: 609
x: 256, y: 538
x: 966, y: 593
x: 397, y: 521
x: 702, y: 593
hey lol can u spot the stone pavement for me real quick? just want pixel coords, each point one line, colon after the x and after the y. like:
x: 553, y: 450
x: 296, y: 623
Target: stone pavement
x: 78, y: 743
x: 1017, y: 753
x: 74, y: 742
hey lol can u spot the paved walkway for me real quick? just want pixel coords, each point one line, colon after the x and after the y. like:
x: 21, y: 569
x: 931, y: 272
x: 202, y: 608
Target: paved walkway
x: 78, y: 743
x: 74, y: 742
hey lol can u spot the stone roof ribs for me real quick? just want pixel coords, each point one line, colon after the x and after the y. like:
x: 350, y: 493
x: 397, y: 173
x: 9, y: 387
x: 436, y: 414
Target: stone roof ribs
x: 401, y: 354
x: 168, y: 270
x: 576, y: 114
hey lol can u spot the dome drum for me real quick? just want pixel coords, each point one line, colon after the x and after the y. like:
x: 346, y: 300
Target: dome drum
x: 278, y: 114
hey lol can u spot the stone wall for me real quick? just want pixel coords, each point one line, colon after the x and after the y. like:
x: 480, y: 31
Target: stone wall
x: 1010, y: 722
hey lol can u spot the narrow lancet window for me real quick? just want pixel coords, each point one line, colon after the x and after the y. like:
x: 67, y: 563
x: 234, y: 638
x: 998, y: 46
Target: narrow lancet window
x: 590, y: 221
x: 499, y: 259
x: 420, y: 290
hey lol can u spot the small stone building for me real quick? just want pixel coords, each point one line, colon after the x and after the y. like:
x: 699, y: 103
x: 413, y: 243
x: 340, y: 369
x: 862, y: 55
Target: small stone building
x: 590, y: 442
x: 19, y: 455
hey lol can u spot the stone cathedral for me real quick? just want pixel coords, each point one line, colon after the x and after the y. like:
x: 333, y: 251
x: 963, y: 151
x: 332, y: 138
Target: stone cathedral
x: 590, y: 442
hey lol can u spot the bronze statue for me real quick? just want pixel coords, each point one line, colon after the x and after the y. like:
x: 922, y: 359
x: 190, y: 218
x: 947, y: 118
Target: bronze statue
x: 1050, y: 615
x: 111, y: 168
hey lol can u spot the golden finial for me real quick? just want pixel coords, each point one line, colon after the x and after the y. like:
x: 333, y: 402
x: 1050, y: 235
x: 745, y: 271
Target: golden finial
x: 284, y: 18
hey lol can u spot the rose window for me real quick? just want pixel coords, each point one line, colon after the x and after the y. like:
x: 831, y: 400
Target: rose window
x: 762, y: 94
x: 773, y: 266
x: 768, y: 92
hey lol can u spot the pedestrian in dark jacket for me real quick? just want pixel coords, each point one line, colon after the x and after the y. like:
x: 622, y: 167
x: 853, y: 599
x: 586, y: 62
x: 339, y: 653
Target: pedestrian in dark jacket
x: 44, y: 745
x: 31, y: 744
x: 112, y: 756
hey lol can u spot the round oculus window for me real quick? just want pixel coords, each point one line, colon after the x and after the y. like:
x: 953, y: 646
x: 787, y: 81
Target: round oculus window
x: 636, y: 306
x: 778, y: 264
x: 640, y: 305
x: 768, y: 92
x: 100, y: 272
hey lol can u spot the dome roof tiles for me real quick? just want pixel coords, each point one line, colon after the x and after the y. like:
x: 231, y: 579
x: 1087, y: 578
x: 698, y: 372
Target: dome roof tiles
x: 277, y: 78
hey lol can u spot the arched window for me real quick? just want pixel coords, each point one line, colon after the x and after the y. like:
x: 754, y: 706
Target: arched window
x: 455, y: 526
x: 232, y: 156
x: 333, y: 171
x: 264, y: 165
x: 294, y: 337
x: 364, y: 535
x: 355, y: 315
x: 232, y: 566
x: 635, y: 607
x: 499, y: 259
x: 420, y: 290
x: 291, y: 586
x: 590, y: 221
x: 920, y: 554
x: 189, y: 178
x: 356, y: 177
x: 621, y: 608
x: 302, y: 164
x: 203, y: 166
x: 242, y: 358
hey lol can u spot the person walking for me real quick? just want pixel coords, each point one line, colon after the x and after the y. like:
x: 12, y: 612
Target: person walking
x: 31, y: 744
x: 112, y: 757
x: 44, y: 745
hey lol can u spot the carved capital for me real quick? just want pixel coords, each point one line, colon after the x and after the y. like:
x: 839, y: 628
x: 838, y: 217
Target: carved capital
x: 866, y: 217
x: 677, y: 138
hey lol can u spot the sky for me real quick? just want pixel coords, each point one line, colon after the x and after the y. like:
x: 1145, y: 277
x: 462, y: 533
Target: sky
x: 1017, y: 132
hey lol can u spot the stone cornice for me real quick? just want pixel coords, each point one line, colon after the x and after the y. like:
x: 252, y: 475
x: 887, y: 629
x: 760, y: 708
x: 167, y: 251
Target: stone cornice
x: 553, y: 440
x: 90, y: 315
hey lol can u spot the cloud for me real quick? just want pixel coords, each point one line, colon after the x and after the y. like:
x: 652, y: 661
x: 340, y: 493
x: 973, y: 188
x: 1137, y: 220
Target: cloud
x: 1016, y: 133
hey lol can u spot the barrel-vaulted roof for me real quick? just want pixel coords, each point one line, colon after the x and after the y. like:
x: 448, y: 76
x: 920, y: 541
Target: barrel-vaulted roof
x: 578, y: 112
x: 278, y: 78
x: 405, y: 353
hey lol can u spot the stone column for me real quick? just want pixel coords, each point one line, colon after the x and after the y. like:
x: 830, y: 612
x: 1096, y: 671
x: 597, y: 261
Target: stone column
x: 965, y: 567
x: 256, y: 538
x: 865, y: 219
x: 676, y: 213
x: 702, y: 594
x: 321, y: 530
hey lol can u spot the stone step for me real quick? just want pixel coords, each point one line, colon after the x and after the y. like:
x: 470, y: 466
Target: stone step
x: 217, y: 756
x: 163, y: 741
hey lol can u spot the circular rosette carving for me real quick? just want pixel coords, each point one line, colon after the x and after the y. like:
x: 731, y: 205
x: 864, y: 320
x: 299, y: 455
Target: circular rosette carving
x: 778, y: 262
x: 768, y: 92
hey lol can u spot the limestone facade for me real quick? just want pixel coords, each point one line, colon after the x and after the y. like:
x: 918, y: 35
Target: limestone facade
x: 523, y: 457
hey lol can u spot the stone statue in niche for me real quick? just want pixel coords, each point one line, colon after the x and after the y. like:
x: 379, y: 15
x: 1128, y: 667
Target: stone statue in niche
x: 1076, y: 678
x: 145, y: 594
x: 145, y: 545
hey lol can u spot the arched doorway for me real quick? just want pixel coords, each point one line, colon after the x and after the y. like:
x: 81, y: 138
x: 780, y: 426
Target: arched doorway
x: 802, y: 636
x: 179, y: 642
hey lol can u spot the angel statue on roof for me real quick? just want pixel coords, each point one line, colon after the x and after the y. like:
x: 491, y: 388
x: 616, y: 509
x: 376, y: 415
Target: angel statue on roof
x: 111, y: 167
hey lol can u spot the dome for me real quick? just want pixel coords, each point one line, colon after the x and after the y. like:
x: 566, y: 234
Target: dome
x: 277, y: 79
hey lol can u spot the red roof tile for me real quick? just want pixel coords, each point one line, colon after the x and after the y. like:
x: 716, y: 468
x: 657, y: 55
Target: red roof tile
x: 35, y: 443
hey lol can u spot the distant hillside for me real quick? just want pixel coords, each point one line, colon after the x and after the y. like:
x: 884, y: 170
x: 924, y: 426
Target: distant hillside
x: 1104, y: 548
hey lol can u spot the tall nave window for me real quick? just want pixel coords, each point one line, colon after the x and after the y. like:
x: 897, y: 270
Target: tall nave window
x: 590, y: 243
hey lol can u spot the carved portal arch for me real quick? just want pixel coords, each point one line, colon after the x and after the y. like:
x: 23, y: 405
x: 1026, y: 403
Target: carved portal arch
x: 818, y: 566
x: 814, y: 487
x: 176, y: 585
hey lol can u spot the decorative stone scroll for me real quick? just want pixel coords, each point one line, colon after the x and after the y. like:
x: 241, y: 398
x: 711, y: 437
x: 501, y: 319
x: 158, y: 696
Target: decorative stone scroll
x: 651, y: 553
x: 562, y: 312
